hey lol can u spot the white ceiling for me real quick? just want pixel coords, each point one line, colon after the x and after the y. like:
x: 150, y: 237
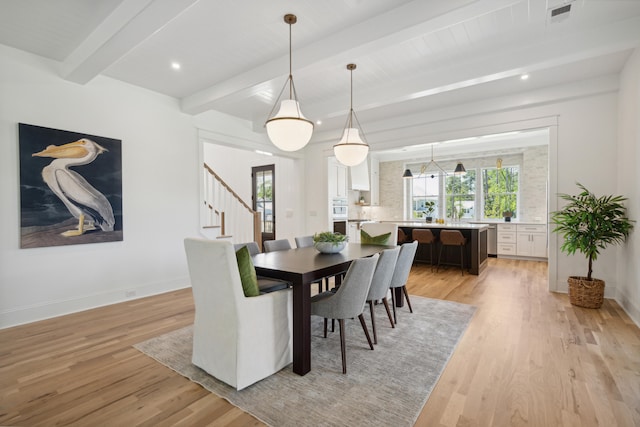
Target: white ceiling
x: 413, y: 57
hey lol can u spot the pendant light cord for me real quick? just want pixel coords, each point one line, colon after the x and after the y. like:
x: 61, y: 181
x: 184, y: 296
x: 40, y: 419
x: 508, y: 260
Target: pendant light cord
x: 290, y: 66
x: 351, y: 102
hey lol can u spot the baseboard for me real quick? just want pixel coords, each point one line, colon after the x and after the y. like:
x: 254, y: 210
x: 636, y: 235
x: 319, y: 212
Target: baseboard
x: 47, y: 310
x: 632, y: 310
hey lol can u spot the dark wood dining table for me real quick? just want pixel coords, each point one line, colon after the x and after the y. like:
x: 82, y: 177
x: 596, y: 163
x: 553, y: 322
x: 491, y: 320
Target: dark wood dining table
x: 301, y: 267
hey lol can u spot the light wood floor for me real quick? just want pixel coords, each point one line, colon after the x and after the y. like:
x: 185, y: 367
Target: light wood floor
x: 527, y: 358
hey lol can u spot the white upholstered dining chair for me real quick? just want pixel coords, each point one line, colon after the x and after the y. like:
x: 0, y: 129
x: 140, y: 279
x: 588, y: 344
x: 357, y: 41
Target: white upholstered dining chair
x: 239, y: 340
x: 376, y: 229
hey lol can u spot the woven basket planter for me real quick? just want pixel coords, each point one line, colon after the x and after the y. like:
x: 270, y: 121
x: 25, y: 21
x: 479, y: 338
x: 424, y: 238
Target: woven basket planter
x: 586, y: 293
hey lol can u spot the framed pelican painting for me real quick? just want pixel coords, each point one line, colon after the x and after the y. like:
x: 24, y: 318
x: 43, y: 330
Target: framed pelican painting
x: 70, y: 187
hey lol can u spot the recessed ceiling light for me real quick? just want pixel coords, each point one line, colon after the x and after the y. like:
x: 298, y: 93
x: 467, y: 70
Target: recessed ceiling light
x: 318, y: 122
x: 524, y: 77
x: 175, y: 65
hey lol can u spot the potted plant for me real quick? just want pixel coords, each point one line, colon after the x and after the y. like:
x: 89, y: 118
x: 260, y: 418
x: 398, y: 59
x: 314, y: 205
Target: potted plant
x: 429, y: 207
x: 588, y: 224
x: 328, y: 242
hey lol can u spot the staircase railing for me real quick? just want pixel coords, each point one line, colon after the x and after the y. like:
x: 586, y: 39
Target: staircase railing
x: 226, y: 212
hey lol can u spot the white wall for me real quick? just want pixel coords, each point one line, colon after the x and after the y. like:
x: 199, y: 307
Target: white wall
x: 160, y: 193
x: 628, y: 291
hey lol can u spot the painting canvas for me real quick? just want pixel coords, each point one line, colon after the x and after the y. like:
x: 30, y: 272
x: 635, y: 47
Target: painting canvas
x: 70, y: 187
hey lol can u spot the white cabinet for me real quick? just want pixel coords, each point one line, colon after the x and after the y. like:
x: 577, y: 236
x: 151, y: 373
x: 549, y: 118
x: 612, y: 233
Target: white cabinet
x: 507, y: 239
x: 532, y: 240
x: 360, y: 176
x: 337, y: 180
x: 522, y: 240
x: 354, y: 232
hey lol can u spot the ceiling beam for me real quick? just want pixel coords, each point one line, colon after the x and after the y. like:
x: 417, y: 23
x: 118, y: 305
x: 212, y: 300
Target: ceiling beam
x: 403, y: 23
x: 131, y: 23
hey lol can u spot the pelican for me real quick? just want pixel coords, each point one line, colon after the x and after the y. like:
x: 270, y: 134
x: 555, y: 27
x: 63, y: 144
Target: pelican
x: 80, y: 197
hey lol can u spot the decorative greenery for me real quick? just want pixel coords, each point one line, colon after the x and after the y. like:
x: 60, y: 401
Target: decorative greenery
x: 429, y: 207
x: 328, y: 236
x: 589, y: 223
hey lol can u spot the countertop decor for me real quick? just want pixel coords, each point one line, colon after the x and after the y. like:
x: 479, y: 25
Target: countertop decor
x: 329, y: 243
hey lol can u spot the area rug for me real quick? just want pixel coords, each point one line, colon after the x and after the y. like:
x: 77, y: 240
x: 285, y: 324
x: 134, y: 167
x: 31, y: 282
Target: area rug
x: 385, y: 387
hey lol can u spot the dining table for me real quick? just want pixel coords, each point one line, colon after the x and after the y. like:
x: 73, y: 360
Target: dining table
x: 301, y: 267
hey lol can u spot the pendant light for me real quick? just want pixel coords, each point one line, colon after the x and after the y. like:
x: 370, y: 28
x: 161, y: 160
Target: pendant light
x: 351, y: 150
x: 460, y: 170
x: 288, y: 129
x: 423, y: 169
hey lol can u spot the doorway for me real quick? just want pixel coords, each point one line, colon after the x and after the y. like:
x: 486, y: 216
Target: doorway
x: 263, y: 196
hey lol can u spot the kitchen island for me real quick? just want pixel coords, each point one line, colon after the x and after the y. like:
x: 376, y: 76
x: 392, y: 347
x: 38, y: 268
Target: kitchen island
x: 475, y: 258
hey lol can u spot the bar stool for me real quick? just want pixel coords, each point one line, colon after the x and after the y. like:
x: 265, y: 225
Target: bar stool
x: 402, y: 236
x: 452, y: 238
x: 425, y: 237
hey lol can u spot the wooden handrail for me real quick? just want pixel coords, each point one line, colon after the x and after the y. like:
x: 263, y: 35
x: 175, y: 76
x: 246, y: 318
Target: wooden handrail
x: 226, y: 186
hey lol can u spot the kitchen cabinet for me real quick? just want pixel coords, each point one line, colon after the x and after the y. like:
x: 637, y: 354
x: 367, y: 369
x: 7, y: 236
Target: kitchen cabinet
x: 337, y: 180
x: 360, y: 176
x: 507, y: 239
x: 532, y: 240
x: 522, y: 240
x: 354, y: 232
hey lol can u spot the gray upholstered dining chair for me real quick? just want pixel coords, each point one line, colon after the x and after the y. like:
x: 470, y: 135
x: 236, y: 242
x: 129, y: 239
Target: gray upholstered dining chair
x: 348, y: 301
x: 401, y: 274
x: 276, y: 245
x: 304, y: 241
x: 253, y: 247
x: 265, y: 284
x: 380, y: 285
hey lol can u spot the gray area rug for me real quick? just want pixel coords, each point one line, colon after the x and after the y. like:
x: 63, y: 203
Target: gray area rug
x: 385, y: 387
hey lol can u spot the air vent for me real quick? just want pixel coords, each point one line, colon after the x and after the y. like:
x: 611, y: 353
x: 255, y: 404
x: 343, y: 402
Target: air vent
x: 560, y: 11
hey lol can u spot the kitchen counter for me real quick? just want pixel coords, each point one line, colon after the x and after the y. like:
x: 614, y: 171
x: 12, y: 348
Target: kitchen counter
x: 501, y: 221
x: 448, y: 225
x: 475, y: 258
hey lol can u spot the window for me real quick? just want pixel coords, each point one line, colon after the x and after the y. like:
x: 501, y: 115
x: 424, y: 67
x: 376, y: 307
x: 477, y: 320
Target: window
x: 483, y: 193
x: 460, y: 195
x: 500, y: 191
x: 424, y: 188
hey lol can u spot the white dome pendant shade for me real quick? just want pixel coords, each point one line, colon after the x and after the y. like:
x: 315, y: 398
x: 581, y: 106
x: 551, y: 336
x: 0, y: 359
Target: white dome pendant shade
x: 351, y: 150
x: 289, y: 130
